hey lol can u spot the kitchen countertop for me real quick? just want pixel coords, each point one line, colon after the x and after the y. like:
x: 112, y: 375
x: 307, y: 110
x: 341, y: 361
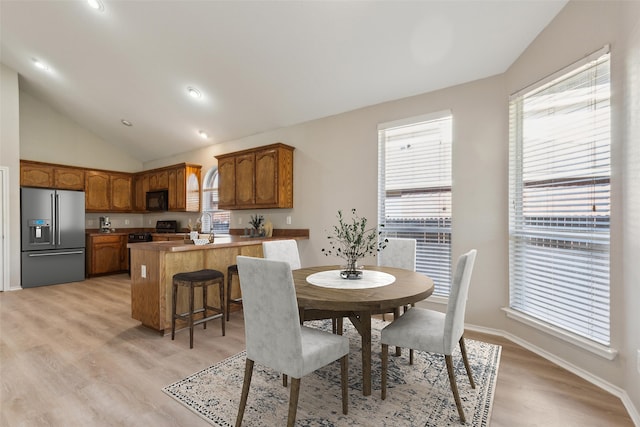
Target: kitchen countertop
x: 219, y: 242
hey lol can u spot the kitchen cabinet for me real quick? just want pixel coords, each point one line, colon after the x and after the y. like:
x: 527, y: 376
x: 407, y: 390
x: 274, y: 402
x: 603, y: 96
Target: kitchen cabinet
x: 159, y: 180
x: 97, y: 191
x: 121, y: 186
x: 245, y: 179
x: 141, y: 186
x: 184, y: 188
x: 45, y: 175
x: 258, y: 178
x: 227, y: 181
x: 68, y: 178
x: 106, y: 253
x: 107, y: 191
x: 182, y: 182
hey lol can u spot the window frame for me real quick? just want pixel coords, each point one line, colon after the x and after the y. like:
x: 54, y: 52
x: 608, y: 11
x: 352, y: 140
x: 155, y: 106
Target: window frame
x: 517, y: 217
x: 432, y: 231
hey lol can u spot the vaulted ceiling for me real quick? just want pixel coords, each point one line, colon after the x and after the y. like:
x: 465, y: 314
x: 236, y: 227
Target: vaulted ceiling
x: 259, y: 65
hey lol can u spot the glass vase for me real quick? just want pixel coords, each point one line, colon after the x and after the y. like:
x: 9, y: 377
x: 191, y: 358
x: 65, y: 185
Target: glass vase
x: 351, y: 270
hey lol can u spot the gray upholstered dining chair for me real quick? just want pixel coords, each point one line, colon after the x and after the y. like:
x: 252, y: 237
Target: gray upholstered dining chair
x: 433, y: 331
x: 398, y: 253
x: 273, y: 333
x: 287, y: 250
x: 282, y: 250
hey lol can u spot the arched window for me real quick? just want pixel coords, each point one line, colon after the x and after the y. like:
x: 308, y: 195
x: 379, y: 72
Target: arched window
x: 220, y: 218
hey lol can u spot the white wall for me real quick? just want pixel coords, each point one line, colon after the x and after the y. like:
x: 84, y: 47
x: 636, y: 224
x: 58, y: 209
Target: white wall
x: 10, y: 157
x: 48, y: 136
x: 630, y: 141
x: 579, y: 29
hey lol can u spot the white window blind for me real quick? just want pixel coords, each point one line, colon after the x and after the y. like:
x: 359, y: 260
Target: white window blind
x: 414, y: 190
x: 559, y: 194
x: 220, y: 218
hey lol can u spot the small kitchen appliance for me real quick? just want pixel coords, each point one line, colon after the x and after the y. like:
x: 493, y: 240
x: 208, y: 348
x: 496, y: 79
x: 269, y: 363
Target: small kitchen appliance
x: 105, y: 224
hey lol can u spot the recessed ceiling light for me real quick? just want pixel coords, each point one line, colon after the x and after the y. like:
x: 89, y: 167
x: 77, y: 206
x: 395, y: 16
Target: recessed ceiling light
x: 96, y: 4
x: 194, y: 93
x: 203, y: 134
x: 40, y: 65
x: 126, y: 122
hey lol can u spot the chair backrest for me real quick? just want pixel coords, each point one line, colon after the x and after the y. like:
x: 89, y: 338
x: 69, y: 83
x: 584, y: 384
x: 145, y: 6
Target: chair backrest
x: 271, y: 319
x: 399, y: 253
x: 282, y: 250
x: 454, y: 320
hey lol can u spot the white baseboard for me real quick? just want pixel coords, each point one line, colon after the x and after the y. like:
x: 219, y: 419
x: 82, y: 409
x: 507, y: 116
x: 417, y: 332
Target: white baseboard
x: 605, y: 385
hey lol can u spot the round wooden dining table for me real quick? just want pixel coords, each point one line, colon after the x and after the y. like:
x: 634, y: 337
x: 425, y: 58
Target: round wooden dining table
x: 321, y: 302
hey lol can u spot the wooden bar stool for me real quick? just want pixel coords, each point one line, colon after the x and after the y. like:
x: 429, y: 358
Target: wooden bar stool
x: 197, y: 279
x: 233, y: 269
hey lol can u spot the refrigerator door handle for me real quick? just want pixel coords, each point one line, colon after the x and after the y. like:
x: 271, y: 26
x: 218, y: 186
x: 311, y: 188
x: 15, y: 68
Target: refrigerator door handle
x: 57, y: 205
x: 56, y: 254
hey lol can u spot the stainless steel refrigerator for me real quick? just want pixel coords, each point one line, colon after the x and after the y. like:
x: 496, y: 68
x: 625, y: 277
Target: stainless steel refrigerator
x: 53, y: 236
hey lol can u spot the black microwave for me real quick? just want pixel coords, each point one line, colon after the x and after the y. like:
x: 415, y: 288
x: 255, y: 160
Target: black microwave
x: 157, y: 200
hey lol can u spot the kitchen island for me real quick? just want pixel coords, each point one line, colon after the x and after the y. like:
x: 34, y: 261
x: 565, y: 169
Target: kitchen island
x: 153, y: 265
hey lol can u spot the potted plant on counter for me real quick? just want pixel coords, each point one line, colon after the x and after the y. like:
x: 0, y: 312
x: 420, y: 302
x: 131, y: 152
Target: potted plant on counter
x: 257, y: 222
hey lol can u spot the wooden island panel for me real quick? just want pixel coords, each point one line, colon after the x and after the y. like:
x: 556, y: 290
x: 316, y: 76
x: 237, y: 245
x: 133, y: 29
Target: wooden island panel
x: 151, y: 295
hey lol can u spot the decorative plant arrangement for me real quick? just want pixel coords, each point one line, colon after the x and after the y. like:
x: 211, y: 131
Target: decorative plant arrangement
x: 257, y: 222
x: 352, y: 241
x: 195, y: 227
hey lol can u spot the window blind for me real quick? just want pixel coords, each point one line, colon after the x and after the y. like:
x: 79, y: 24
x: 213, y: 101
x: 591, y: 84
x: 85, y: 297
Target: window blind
x: 559, y: 194
x: 220, y: 218
x: 414, y: 190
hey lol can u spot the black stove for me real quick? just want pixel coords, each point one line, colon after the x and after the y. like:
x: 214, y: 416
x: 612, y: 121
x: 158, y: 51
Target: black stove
x: 166, y: 226
x: 143, y: 236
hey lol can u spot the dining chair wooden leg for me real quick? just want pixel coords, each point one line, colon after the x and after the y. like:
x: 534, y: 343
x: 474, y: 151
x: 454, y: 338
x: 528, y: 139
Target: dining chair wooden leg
x: 396, y: 315
x: 339, y: 325
x: 293, y: 401
x: 284, y: 380
x: 344, y: 380
x: 410, y: 356
x: 454, y: 386
x: 248, y: 371
x: 383, y: 379
x: 463, y: 350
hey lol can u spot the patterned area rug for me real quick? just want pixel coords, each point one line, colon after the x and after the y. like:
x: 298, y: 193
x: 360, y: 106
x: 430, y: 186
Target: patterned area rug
x: 417, y: 395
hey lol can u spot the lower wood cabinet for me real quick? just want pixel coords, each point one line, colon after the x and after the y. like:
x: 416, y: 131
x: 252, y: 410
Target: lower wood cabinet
x: 106, y: 253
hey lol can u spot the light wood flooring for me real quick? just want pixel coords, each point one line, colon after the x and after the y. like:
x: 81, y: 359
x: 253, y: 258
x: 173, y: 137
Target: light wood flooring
x: 70, y: 355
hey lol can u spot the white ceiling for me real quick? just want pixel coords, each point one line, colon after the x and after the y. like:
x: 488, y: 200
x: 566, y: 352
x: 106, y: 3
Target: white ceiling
x: 260, y: 65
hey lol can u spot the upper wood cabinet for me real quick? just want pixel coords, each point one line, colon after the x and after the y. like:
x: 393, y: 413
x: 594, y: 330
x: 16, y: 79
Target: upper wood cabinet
x: 184, y: 188
x: 121, y: 192
x: 68, y: 178
x: 97, y: 191
x: 36, y: 174
x: 258, y: 178
x: 159, y: 180
x: 108, y: 192
x: 140, y: 188
x: 227, y: 181
x: 182, y: 182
